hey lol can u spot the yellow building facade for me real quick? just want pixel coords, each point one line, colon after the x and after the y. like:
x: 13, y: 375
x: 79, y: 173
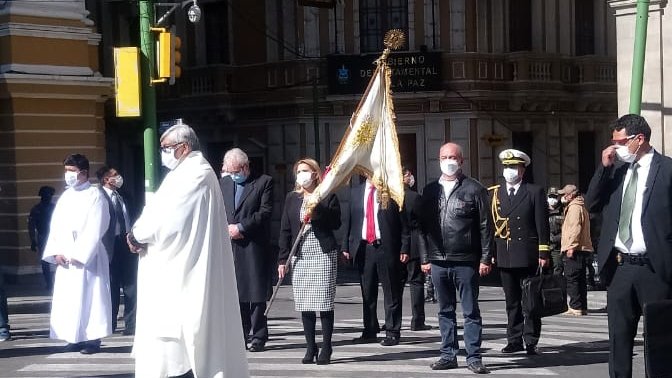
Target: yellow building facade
x: 51, y: 105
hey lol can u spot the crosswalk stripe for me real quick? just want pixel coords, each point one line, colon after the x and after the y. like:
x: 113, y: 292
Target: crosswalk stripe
x: 79, y: 367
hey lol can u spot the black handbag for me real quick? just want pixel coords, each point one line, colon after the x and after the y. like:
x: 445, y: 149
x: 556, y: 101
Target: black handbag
x: 544, y: 295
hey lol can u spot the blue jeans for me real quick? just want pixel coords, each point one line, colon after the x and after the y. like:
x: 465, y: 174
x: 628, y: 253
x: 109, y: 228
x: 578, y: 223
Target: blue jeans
x: 447, y: 277
x: 4, y: 316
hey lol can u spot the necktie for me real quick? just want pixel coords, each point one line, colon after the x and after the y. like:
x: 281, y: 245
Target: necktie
x: 627, y: 206
x: 119, y: 212
x: 238, y: 194
x: 512, y: 192
x: 370, y: 216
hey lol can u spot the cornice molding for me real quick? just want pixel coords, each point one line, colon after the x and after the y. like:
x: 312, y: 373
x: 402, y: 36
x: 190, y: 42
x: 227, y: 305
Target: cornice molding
x: 68, y: 10
x: 49, y: 31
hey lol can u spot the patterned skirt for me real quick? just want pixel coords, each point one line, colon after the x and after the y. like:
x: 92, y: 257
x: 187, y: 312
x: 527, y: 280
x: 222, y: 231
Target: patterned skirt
x: 313, y: 276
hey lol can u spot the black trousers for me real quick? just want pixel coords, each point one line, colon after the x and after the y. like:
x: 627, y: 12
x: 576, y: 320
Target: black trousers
x: 123, y: 275
x: 252, y: 316
x: 576, y: 269
x: 631, y: 287
x: 374, y: 267
x: 520, y: 328
x: 416, y: 282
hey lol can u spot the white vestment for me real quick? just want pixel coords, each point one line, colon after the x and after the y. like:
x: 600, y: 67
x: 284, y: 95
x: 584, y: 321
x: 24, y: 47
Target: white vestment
x: 188, y: 314
x: 81, y: 304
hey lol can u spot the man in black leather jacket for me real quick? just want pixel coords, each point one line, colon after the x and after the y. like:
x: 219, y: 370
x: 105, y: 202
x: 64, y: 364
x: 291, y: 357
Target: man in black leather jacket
x: 457, y: 244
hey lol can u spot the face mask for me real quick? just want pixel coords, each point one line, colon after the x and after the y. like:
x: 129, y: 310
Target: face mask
x: 117, y: 181
x: 511, y: 175
x: 625, y: 155
x: 71, y: 178
x: 411, y: 181
x: 238, y: 177
x: 552, y: 202
x: 304, y: 179
x: 449, y: 167
x: 168, y: 159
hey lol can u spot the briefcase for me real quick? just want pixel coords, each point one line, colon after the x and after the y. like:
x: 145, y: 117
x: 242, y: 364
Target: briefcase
x: 658, y: 339
x: 544, y: 295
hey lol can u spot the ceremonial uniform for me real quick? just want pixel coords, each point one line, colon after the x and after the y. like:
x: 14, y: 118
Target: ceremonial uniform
x: 522, y: 238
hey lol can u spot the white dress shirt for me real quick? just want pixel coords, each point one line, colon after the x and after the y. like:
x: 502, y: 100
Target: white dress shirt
x: 638, y: 246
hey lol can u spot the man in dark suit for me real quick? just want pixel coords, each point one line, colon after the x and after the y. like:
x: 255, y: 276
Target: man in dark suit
x: 123, y: 263
x: 249, y: 204
x: 522, y: 237
x: 377, y: 241
x: 414, y: 275
x: 633, y: 188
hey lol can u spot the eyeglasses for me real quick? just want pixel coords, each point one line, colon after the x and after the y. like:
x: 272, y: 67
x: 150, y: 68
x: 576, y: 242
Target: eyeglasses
x: 169, y: 148
x: 624, y: 141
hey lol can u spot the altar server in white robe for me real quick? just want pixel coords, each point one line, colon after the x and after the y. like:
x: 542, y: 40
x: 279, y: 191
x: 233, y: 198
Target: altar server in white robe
x: 81, y: 308
x: 188, y: 317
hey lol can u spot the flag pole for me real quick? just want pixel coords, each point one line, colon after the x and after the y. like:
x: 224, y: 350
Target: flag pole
x: 292, y: 252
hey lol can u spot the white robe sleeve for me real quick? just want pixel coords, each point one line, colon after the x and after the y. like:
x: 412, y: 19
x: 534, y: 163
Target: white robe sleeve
x: 57, y: 243
x: 87, y: 242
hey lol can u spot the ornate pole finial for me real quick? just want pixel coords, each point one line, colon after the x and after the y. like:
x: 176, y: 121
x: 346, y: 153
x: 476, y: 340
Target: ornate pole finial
x: 394, y: 39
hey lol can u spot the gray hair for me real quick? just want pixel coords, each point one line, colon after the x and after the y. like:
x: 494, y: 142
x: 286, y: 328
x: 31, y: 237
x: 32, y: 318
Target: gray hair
x: 182, y: 133
x: 236, y: 156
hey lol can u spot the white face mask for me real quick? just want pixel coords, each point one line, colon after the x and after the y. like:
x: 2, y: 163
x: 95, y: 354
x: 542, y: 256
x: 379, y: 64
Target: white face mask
x: 625, y: 155
x: 168, y: 159
x: 71, y: 178
x: 411, y: 181
x: 449, y: 167
x: 552, y: 201
x: 117, y: 181
x: 304, y: 179
x: 511, y: 175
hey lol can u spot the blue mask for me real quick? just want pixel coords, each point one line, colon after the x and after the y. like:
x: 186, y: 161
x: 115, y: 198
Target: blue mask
x: 238, y: 177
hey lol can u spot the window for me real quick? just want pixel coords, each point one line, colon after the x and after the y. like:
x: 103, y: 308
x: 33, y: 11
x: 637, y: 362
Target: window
x: 216, y: 32
x: 520, y: 25
x: 584, y: 14
x: 457, y: 34
x: 376, y: 17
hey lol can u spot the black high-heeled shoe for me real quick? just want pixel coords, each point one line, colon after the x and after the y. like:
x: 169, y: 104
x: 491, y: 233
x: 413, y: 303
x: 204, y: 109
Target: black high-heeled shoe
x: 325, y: 356
x: 311, y: 354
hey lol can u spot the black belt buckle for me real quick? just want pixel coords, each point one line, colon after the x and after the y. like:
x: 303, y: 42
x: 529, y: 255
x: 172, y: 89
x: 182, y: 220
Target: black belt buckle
x: 632, y: 259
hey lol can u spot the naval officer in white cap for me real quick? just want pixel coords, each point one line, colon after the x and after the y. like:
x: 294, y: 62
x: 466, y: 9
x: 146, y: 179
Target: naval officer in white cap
x: 522, y: 240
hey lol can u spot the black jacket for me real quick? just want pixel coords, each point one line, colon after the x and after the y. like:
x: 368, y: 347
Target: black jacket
x: 326, y: 218
x: 605, y: 194
x: 527, y: 214
x: 466, y: 233
x: 411, y: 210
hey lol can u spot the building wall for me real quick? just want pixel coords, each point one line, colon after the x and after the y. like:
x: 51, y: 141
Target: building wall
x: 51, y: 104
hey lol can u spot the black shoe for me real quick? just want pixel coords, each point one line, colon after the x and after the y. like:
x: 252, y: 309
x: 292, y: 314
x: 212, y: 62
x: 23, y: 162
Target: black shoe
x: 532, y: 350
x: 90, y: 349
x: 513, y: 348
x: 256, y: 346
x: 390, y: 341
x: 423, y: 327
x: 76, y: 347
x: 477, y: 367
x: 325, y: 356
x: 365, y: 339
x: 311, y: 355
x: 443, y: 364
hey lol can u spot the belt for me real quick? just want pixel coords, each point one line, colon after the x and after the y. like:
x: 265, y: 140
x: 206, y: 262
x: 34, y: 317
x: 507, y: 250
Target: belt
x: 638, y: 259
x: 376, y: 243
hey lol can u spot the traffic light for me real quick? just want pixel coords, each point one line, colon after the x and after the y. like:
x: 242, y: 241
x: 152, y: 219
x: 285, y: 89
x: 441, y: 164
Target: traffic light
x: 168, y: 56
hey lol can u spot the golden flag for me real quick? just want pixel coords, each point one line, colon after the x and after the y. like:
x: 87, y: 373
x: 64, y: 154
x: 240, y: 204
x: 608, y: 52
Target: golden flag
x: 370, y: 146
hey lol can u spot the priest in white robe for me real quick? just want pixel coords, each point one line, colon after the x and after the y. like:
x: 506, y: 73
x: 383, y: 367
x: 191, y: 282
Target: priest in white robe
x: 188, y: 317
x: 80, y: 308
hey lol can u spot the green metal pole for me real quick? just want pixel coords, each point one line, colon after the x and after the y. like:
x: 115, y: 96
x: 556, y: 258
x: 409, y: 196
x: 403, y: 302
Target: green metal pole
x: 637, y: 80
x: 147, y: 47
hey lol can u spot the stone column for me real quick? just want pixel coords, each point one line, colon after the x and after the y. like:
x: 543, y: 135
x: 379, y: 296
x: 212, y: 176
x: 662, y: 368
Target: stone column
x: 51, y: 105
x: 657, y: 91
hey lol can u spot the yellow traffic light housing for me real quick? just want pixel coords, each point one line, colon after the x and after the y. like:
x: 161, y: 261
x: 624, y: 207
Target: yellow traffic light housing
x: 168, y: 56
